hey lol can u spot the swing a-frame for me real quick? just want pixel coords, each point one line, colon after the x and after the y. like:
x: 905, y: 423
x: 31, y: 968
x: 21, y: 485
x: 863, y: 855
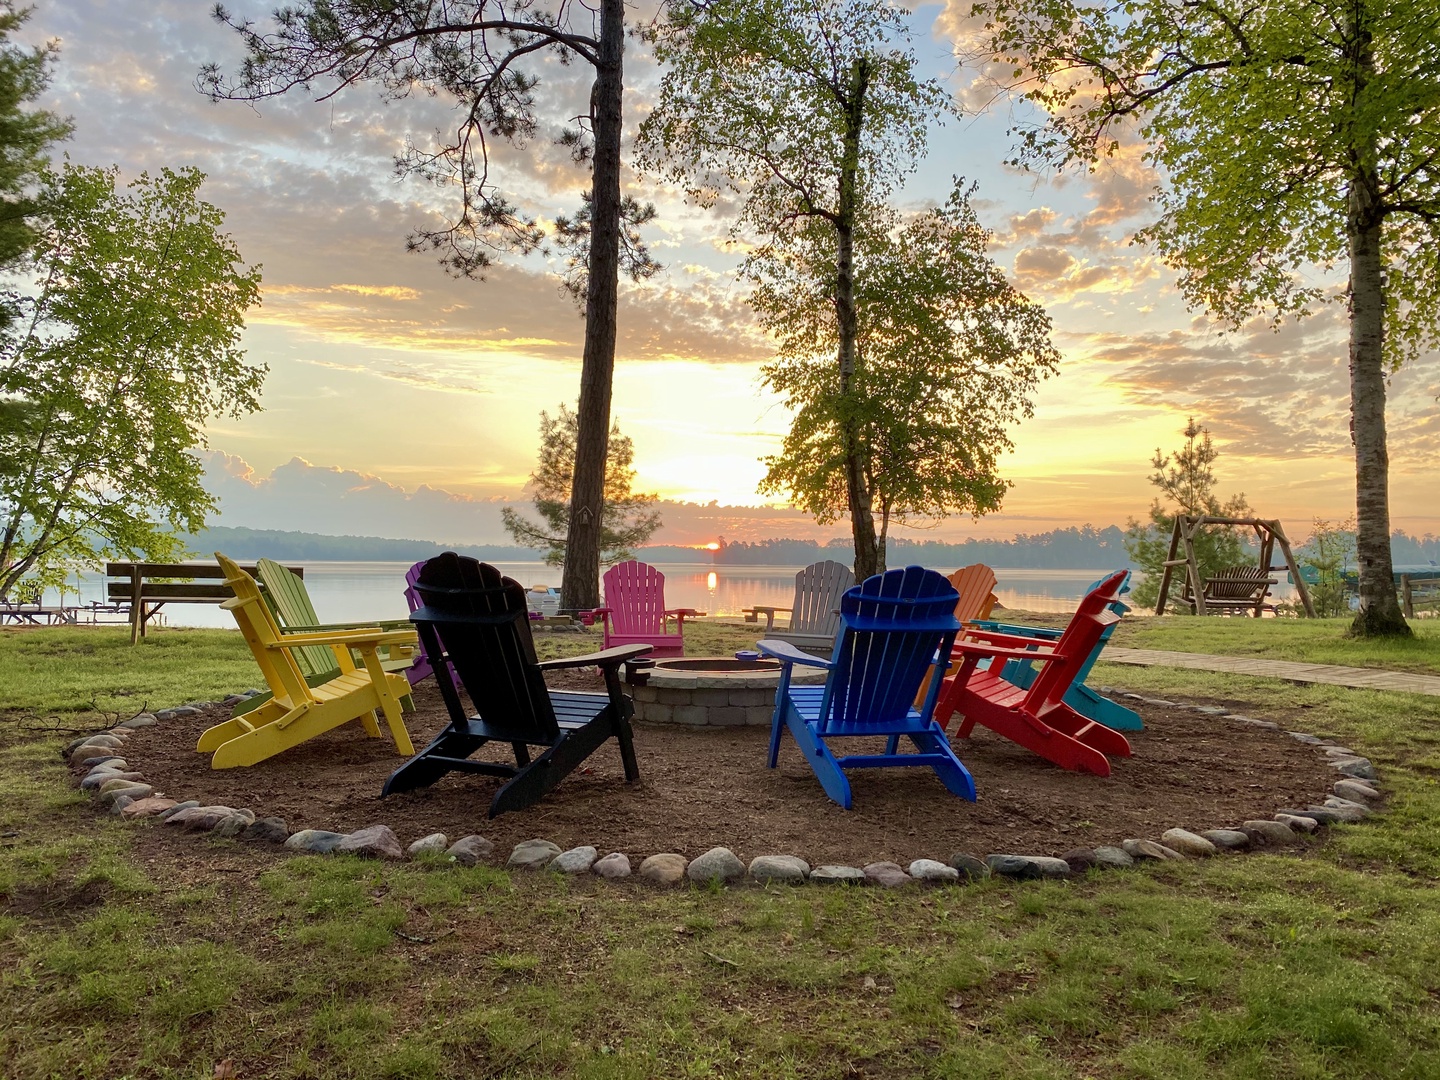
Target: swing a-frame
x: 1233, y: 588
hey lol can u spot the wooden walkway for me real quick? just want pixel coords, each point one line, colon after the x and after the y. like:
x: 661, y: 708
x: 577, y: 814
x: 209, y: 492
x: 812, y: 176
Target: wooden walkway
x: 1364, y: 678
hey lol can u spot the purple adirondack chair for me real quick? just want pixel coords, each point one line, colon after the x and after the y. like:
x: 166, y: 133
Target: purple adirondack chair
x: 423, y: 667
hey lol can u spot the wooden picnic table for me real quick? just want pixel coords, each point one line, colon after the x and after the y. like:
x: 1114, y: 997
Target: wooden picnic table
x: 147, y: 587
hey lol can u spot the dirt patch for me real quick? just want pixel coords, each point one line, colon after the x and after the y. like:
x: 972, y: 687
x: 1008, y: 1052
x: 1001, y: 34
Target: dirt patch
x: 54, y: 899
x: 709, y: 786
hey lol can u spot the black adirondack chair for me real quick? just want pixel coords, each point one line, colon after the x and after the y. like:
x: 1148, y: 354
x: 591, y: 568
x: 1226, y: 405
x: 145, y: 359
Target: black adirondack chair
x: 477, y: 619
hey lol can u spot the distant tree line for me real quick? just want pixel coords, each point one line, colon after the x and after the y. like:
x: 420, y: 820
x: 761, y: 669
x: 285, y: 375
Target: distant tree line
x: 1084, y: 546
x: 283, y: 546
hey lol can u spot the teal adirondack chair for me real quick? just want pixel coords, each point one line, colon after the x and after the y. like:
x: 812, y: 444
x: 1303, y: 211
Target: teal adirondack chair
x: 1080, y: 697
x: 894, y: 627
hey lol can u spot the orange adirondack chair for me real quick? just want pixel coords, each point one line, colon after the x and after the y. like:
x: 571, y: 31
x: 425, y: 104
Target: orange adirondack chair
x: 635, y: 612
x: 975, y: 584
x: 1037, y: 718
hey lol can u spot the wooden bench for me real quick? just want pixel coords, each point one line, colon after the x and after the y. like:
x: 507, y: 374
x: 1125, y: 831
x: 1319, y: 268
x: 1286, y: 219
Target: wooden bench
x: 147, y: 587
x: 1419, y: 591
x: 1234, y: 588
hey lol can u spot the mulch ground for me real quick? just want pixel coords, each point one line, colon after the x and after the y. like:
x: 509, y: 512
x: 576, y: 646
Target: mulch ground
x: 705, y: 787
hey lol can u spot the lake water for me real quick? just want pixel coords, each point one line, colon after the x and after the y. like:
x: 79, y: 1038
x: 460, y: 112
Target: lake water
x: 356, y: 591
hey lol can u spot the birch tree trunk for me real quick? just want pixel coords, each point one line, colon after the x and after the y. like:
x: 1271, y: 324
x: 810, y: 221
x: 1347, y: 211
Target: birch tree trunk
x: 1379, y: 613
x: 580, y: 583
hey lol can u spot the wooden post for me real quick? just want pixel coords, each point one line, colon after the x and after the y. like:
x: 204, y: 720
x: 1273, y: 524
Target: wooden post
x: 1169, y: 564
x: 1293, y: 567
x: 1407, y: 597
x: 1192, y: 564
x: 1265, y: 534
x: 137, y: 608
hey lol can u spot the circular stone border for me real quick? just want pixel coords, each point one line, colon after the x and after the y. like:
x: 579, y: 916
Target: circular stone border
x: 1355, y: 797
x: 712, y: 697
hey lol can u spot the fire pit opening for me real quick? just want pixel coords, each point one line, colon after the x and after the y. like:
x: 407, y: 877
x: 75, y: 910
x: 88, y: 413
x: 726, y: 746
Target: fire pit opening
x: 711, y: 690
x: 715, y: 663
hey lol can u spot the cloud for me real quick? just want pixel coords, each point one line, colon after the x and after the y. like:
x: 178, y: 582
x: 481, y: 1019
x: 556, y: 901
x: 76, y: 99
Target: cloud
x: 305, y: 497
x: 1272, y: 394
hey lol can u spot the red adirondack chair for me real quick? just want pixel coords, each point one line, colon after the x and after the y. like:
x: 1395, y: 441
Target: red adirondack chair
x: 1037, y: 718
x: 635, y: 612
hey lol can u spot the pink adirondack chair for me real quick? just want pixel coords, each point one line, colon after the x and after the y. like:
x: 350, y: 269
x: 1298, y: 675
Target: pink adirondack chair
x: 423, y: 667
x: 635, y: 612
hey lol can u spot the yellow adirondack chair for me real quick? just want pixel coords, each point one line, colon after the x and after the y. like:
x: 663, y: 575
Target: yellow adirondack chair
x: 296, y: 711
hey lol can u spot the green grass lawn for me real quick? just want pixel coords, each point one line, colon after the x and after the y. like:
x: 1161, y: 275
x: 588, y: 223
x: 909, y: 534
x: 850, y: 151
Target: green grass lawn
x: 70, y: 672
x: 1307, y: 641
x: 125, y: 956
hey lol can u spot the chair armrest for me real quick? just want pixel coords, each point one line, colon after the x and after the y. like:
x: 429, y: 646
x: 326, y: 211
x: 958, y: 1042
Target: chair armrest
x: 362, y: 636
x: 789, y: 654
x: 968, y: 648
x: 753, y: 614
x: 315, y: 628
x: 1012, y: 641
x: 990, y: 626
x: 606, y: 658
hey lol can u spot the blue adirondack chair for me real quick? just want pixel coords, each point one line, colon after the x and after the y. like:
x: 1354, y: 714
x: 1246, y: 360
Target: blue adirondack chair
x: 1081, y: 698
x: 893, y: 628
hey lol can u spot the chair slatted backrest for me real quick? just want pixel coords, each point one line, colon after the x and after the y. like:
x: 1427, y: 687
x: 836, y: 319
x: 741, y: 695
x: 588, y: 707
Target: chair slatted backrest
x: 975, y: 585
x: 892, y: 624
x: 1093, y: 617
x: 1249, y: 583
x: 635, y: 595
x: 818, y: 590
x: 258, y: 627
x: 289, y: 599
x: 477, y: 618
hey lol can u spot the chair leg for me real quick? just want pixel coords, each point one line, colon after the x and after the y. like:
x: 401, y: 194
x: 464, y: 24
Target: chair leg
x: 367, y: 722
x: 1053, y: 745
x: 951, y: 770
x: 267, y: 740
x: 389, y: 688
x: 422, y: 771
x: 777, y: 721
x: 531, y: 783
x: 625, y: 736
x: 822, y: 762
x: 1082, y: 729
x: 1102, y: 710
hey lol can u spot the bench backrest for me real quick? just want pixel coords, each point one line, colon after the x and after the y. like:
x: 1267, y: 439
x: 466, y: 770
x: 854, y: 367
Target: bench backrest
x: 1247, y: 583
x: 128, y: 575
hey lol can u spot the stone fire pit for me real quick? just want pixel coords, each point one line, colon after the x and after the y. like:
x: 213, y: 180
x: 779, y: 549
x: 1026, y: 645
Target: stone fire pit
x: 712, y: 690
